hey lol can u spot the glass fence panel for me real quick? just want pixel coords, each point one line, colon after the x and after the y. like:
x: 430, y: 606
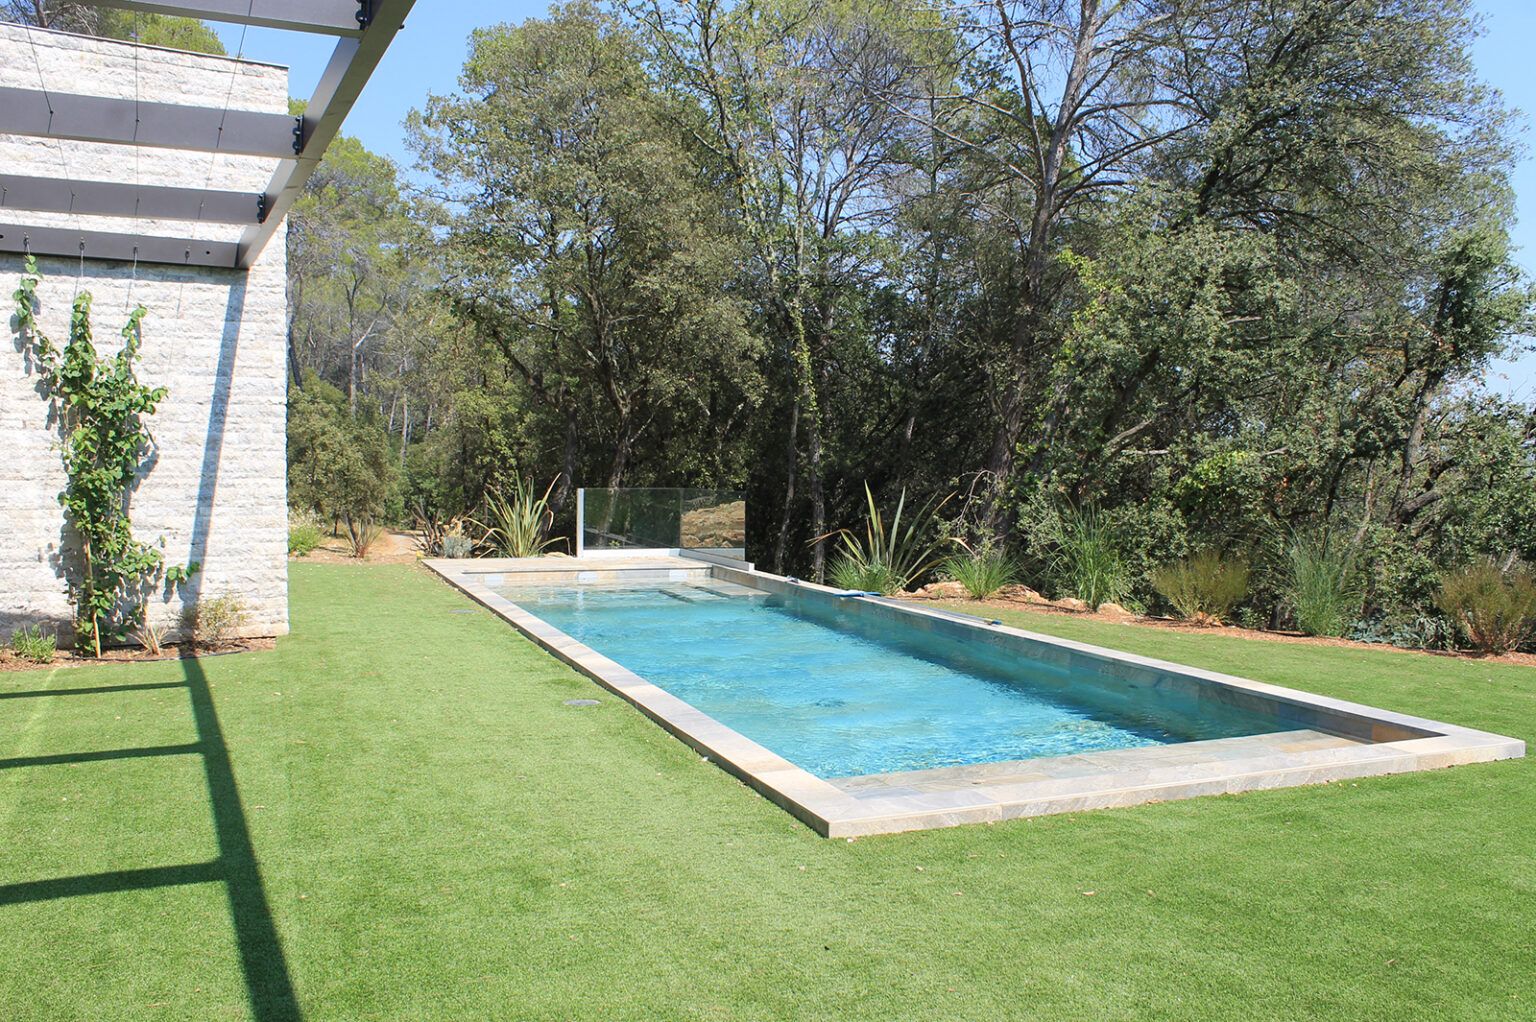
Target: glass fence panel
x: 664, y: 517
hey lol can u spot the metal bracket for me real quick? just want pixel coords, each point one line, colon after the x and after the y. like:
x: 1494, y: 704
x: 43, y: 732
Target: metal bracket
x: 261, y: 208
x: 298, y: 134
x: 364, y: 13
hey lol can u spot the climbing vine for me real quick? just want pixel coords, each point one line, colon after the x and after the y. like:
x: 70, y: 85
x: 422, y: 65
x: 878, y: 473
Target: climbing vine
x: 100, y: 407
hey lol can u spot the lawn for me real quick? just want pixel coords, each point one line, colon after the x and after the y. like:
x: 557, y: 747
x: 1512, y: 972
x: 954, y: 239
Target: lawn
x: 393, y: 815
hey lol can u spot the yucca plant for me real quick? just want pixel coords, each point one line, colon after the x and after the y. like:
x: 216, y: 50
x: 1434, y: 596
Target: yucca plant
x: 517, y: 524
x: 1203, y: 588
x: 362, y: 534
x: 887, y: 559
x: 1085, y: 558
x: 982, y: 571
x: 1322, y: 587
x: 149, y: 635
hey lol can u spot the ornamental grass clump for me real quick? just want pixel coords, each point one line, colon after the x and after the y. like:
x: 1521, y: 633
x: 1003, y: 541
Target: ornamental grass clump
x: 1497, y: 609
x: 1204, y: 588
x: 886, y: 559
x: 982, y: 571
x: 1322, y: 586
x: 1084, y: 557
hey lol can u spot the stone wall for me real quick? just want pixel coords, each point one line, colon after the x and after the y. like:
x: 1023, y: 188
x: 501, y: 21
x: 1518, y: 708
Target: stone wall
x: 215, y: 487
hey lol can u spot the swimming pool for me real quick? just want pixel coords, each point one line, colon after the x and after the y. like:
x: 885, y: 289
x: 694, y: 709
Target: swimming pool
x: 839, y: 703
x: 870, y: 716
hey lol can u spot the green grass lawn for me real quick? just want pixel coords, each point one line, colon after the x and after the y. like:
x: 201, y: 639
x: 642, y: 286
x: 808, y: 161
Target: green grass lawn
x: 394, y: 816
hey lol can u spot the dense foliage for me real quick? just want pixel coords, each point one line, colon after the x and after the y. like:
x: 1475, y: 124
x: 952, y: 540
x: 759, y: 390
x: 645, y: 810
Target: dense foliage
x: 1138, y: 280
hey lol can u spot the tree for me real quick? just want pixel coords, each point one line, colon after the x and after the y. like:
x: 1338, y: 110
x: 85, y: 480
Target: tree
x: 592, y: 254
x: 149, y: 29
x: 807, y: 150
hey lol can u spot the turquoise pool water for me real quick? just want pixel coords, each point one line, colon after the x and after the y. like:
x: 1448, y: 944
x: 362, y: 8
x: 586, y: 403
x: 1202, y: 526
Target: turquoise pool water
x: 837, y: 703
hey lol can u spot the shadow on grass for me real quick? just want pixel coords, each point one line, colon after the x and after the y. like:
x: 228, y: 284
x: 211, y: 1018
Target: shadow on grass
x: 265, y: 969
x: 93, y: 691
x: 102, y: 755
x: 261, y: 952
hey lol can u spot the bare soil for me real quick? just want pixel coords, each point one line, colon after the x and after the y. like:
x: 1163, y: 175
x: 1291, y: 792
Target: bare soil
x: 395, y: 546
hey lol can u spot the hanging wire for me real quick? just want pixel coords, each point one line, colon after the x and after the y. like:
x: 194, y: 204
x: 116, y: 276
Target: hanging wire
x: 213, y: 158
x: 59, y: 144
x: 138, y: 183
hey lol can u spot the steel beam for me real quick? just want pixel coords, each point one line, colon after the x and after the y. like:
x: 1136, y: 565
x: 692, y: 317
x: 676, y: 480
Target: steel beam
x: 150, y: 202
x: 64, y: 115
x: 73, y: 244
x: 328, y: 17
x: 351, y: 65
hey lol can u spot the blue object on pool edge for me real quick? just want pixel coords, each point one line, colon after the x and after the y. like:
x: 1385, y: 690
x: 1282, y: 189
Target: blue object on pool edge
x: 838, y: 703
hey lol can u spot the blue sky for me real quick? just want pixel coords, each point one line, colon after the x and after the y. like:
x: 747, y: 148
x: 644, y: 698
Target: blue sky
x: 427, y: 55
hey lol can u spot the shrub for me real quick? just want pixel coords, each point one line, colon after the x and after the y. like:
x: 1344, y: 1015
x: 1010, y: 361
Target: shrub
x: 1496, y: 608
x: 517, y: 525
x: 1085, y: 559
x: 213, y: 620
x: 30, y: 643
x: 886, y: 560
x: 1406, y: 630
x: 456, y: 544
x: 983, y: 571
x: 1203, y: 588
x: 1322, y: 588
x: 304, y: 535
x: 362, y: 534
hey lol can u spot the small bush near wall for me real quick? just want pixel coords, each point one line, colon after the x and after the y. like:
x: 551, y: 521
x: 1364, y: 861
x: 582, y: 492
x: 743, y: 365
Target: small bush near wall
x: 31, y: 644
x: 213, y: 620
x: 304, y: 535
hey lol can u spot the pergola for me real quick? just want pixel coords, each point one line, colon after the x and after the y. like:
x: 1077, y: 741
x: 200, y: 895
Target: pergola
x: 364, y: 30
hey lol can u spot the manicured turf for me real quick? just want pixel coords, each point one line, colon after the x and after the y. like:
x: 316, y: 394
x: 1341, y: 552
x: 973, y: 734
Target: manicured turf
x: 422, y: 830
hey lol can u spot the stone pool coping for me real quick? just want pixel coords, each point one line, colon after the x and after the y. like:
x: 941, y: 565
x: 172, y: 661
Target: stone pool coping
x: 1332, y: 739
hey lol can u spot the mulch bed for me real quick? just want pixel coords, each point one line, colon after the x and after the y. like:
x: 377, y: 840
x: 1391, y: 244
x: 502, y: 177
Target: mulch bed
x: 10, y: 662
x: 1042, y: 606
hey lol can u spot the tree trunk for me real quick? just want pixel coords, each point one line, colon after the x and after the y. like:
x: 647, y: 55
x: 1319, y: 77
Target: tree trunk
x: 818, y: 493
x: 792, y: 452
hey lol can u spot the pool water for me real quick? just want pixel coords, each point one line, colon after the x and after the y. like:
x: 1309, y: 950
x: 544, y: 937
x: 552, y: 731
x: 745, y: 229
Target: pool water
x: 838, y: 704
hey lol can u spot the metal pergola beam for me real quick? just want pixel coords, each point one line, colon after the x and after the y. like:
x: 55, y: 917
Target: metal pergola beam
x: 64, y: 115
x: 143, y: 248
x: 297, y: 143
x: 328, y: 17
x: 351, y: 65
x: 106, y: 198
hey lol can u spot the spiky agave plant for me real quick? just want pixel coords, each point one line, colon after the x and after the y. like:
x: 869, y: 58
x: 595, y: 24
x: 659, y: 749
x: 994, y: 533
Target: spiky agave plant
x: 886, y: 560
x: 517, y: 524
